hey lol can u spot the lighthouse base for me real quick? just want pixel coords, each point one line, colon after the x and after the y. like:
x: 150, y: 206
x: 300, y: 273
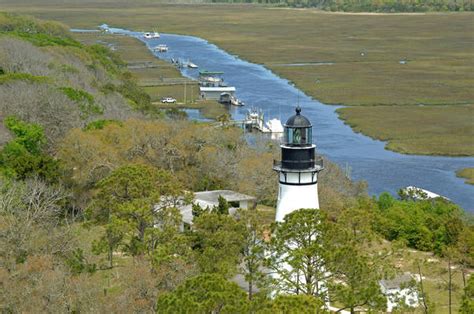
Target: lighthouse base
x: 294, y: 197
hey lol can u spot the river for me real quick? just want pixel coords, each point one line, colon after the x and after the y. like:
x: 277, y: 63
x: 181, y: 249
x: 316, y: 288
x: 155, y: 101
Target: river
x: 366, y: 158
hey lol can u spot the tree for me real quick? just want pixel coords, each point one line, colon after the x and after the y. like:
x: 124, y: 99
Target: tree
x: 134, y: 186
x: 355, y: 268
x: 295, y: 304
x: 135, y: 203
x: 218, y: 242
x: 223, y: 206
x: 110, y: 241
x: 356, y: 279
x: 205, y: 293
x: 298, y: 253
x: 467, y: 304
x: 31, y: 221
x: 253, y: 250
x: 23, y: 156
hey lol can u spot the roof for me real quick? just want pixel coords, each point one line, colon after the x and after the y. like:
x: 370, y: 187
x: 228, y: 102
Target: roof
x: 396, y: 282
x: 230, y: 196
x: 210, y: 199
x: 298, y: 120
x: 217, y: 89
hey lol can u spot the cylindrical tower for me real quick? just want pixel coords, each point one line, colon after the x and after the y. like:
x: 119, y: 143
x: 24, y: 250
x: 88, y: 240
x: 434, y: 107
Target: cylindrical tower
x: 298, y: 168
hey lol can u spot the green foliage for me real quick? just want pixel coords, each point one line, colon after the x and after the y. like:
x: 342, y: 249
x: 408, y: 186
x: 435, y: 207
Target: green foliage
x: 385, y: 201
x: 206, y: 293
x: 299, y: 242
x: 467, y: 305
x: 296, y: 304
x: 23, y: 156
x: 78, y: 263
x: 131, y: 183
x: 197, y: 210
x: 218, y: 241
x: 100, y: 124
x: 140, y: 100
x: 85, y: 100
x: 41, y: 40
x: 427, y: 225
x: 253, y: 250
x: 222, y: 207
x: 136, y: 204
x: 107, y: 58
x: 40, y: 33
x: 29, y: 136
x: 110, y: 241
x: 7, y: 77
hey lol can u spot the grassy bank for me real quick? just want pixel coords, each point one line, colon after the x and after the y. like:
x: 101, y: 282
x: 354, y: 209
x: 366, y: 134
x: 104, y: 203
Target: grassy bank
x: 424, y: 130
x: 365, y: 50
x: 136, y: 54
x: 466, y: 173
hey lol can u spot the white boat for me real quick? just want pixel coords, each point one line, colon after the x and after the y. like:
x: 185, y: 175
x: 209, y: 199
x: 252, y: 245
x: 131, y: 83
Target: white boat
x: 192, y: 65
x: 161, y: 48
x: 417, y: 193
x: 234, y: 101
x: 275, y: 126
x: 152, y: 35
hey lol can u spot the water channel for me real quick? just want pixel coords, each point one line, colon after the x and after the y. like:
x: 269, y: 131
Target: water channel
x: 368, y: 160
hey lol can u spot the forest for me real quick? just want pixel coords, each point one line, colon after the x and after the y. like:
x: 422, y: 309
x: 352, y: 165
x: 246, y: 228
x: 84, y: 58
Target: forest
x: 368, y: 5
x: 92, y: 175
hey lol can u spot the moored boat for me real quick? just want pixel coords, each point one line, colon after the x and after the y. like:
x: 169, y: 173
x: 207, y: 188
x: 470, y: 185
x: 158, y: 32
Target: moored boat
x: 161, y: 48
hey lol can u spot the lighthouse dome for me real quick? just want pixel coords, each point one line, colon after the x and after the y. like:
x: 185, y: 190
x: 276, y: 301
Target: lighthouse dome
x: 298, y: 120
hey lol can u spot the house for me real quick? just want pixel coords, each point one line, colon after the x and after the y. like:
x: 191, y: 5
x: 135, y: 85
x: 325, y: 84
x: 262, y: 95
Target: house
x: 211, y: 199
x: 400, y: 290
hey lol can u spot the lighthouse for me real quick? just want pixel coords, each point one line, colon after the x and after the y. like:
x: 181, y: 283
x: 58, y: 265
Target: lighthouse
x: 298, y: 169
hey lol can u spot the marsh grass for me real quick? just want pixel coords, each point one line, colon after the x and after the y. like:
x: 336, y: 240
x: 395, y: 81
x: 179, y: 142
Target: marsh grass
x: 466, y: 173
x: 424, y: 130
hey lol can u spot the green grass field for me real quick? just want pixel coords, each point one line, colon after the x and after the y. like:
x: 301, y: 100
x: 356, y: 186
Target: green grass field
x: 365, y: 49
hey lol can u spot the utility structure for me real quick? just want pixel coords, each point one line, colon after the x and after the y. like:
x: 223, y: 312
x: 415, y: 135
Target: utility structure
x: 298, y: 169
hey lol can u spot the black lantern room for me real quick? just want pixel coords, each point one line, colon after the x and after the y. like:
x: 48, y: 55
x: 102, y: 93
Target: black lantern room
x: 297, y: 149
x: 298, y: 130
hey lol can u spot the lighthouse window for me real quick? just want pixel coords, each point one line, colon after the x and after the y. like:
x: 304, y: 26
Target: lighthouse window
x: 298, y: 136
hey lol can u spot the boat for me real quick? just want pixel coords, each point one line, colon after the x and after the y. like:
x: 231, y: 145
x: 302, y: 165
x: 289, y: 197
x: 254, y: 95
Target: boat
x: 212, y: 86
x: 416, y: 193
x: 192, y: 65
x: 275, y: 126
x: 234, y: 101
x: 152, y: 35
x: 161, y: 48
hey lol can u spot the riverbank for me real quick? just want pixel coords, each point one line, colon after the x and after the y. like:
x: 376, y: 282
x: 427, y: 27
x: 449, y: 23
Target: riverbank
x: 377, y: 59
x: 146, y: 68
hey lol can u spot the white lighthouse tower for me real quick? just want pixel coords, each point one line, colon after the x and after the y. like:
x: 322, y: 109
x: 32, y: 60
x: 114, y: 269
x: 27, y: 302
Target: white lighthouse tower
x: 298, y: 168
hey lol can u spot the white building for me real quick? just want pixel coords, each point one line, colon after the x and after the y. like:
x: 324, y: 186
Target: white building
x: 210, y: 199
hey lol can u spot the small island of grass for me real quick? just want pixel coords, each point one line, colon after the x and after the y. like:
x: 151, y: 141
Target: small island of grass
x: 466, y: 173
